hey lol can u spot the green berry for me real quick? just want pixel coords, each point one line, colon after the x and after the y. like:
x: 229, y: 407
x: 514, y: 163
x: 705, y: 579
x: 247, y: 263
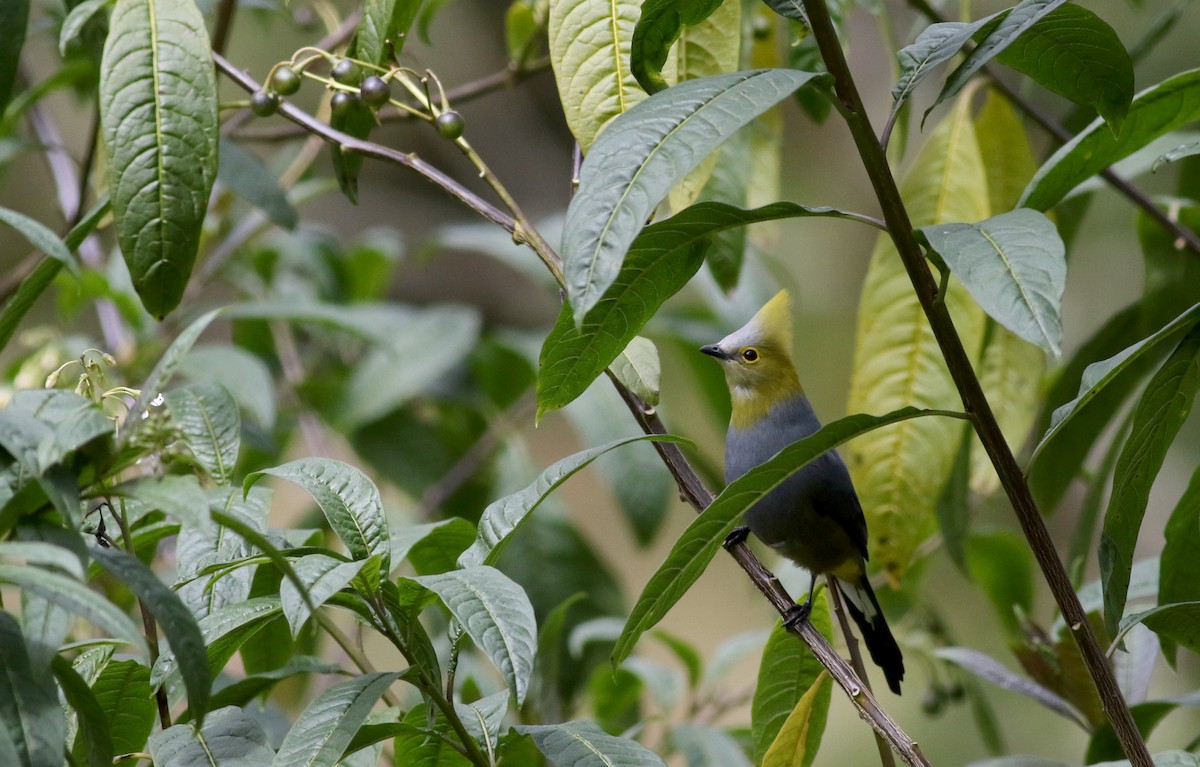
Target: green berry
x: 343, y: 103
x: 346, y: 72
x: 285, y: 81
x: 264, y: 104
x: 450, y: 124
x: 375, y: 91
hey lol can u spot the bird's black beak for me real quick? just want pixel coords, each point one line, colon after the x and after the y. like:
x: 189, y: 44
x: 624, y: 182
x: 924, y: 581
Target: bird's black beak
x: 713, y: 350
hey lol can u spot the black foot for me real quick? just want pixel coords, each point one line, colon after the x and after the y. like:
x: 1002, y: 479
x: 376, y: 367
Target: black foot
x: 739, y: 535
x: 797, y: 615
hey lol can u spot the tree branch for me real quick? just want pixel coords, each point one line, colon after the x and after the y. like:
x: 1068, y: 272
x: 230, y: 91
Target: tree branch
x: 975, y: 403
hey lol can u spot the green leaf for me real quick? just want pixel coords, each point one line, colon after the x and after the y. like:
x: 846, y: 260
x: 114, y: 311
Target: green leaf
x: 1100, y: 376
x: 501, y: 518
x: 1103, y: 746
x: 482, y: 719
x: 176, y: 621
x: 1158, y: 110
x: 73, y: 596
x: 327, y: 725
x: 229, y: 736
x: 639, y: 370
x: 1176, y: 154
x: 210, y: 425
x: 1179, y: 574
x: 899, y: 472
x: 245, y: 690
x: 384, y: 25
x: 1074, y: 53
x: 38, y: 234
x: 696, y: 547
x: 590, y: 45
x: 583, y: 744
x: 349, y: 500
x: 937, y: 44
x: 76, y: 20
x: 1002, y: 34
x: 422, y: 739
x: 787, y: 672
x: 177, y: 496
x: 646, y: 152
x: 988, y: 669
x: 707, y: 746
x: 999, y: 563
x: 1015, y: 266
x: 1157, y: 419
x: 14, y: 18
x: 224, y: 631
x: 660, y: 25
x: 358, y: 123
x: 497, y: 616
x: 158, y: 110
x: 243, y: 374
x: 797, y: 744
x: 661, y: 260
x: 322, y: 576
x: 93, y: 744
x: 30, y: 715
x: 249, y: 178
x: 166, y: 367
x: 1178, y: 622
x: 123, y: 691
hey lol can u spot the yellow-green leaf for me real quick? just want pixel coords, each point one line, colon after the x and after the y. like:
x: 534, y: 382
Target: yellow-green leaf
x: 790, y: 748
x: 899, y: 471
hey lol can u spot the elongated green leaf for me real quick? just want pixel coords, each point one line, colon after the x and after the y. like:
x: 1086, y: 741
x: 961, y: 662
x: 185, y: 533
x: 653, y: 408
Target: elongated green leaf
x: 899, y: 472
x: 76, y: 20
x: 172, y: 616
x: 707, y: 746
x: 590, y: 42
x: 1157, y: 419
x: 497, y: 616
x: 166, y: 366
x: 1179, y: 577
x: 123, y: 691
x: 696, y: 547
x: 93, y: 744
x: 208, y: 418
x: 29, y: 712
x: 1158, y: 110
x: 1099, y: 376
x: 158, y: 110
x: 660, y: 25
x: 646, y: 152
x: 322, y: 577
x: 501, y: 518
x: 787, y: 672
x: 1074, y: 53
x: 348, y: 498
x: 245, y: 690
x: 990, y: 670
x: 413, y: 744
x: 639, y: 370
x: 243, y: 374
x: 224, y: 631
x: 583, y: 744
x: 1176, y: 154
x: 1015, y: 266
x: 249, y: 178
x: 229, y: 737
x: 14, y: 18
x: 937, y: 44
x: 384, y: 25
x: 661, y: 260
x: 483, y: 718
x: 38, y: 234
x: 75, y: 597
x: 797, y: 744
x: 1002, y: 34
x: 327, y: 725
x: 1179, y: 622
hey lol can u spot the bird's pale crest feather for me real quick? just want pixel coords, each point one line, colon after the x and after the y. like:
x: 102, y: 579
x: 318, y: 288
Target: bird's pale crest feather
x: 772, y: 325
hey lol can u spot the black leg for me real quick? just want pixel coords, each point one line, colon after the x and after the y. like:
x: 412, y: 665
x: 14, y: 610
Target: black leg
x: 739, y: 535
x: 799, y: 613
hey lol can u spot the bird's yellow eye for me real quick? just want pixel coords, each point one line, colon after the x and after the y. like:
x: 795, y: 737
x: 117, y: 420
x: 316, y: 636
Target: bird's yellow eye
x: 750, y: 354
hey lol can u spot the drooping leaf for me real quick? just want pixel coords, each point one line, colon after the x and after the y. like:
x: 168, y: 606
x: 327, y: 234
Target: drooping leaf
x: 210, y: 425
x: 583, y: 744
x: 30, y: 716
x: 1158, y: 110
x: 158, y: 110
x: 501, y: 518
x: 385, y: 24
x: 326, y: 726
x: 1157, y: 419
x: 1074, y: 53
x: 658, y: 28
x: 229, y: 736
x: 1179, y: 576
x: 249, y: 178
x: 990, y: 670
x: 1176, y: 154
x: 357, y: 122
x: 789, y: 671
x: 661, y: 260
x: 173, y: 617
x: 642, y: 155
x: 347, y: 497
x: 696, y: 547
x: 1015, y: 267
x: 796, y: 744
x: 639, y: 370
x: 35, y: 232
x: 935, y: 45
x: 899, y: 472
x: 497, y: 616
x: 93, y: 743
x: 1178, y: 622
x: 166, y: 366
x: 76, y: 20
x: 75, y: 597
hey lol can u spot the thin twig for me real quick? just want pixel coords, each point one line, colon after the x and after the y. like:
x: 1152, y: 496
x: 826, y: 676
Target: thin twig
x: 974, y: 400
x: 856, y: 661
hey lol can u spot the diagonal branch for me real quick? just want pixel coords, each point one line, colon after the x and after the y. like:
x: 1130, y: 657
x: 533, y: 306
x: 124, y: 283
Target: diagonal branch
x: 875, y: 161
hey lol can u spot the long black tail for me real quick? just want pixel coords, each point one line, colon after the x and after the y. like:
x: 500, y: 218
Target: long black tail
x: 863, y: 607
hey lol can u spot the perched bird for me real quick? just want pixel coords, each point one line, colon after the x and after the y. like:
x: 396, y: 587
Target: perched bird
x: 814, y: 517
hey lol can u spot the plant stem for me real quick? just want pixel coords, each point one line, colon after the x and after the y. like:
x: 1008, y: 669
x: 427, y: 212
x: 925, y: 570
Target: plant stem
x: 975, y: 403
x: 835, y: 599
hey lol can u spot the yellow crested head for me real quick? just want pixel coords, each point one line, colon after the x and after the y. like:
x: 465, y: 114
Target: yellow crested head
x: 758, y: 361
